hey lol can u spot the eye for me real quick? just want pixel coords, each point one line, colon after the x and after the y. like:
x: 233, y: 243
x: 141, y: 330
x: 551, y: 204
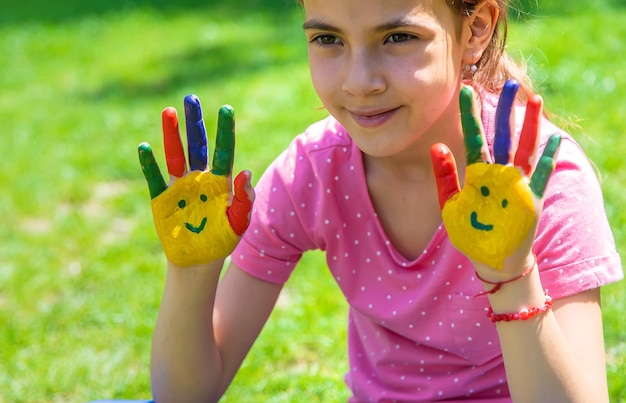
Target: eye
x: 505, y: 203
x: 399, y: 38
x: 204, y: 198
x: 326, y: 40
x: 484, y: 190
x: 182, y: 204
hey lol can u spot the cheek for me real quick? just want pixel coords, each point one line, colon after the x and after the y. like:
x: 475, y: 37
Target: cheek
x: 324, y: 76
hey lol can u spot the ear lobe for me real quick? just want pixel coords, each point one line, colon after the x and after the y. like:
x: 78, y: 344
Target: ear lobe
x: 481, y: 25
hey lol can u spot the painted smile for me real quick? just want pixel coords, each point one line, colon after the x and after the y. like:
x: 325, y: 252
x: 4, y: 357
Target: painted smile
x: 197, y: 229
x: 478, y: 225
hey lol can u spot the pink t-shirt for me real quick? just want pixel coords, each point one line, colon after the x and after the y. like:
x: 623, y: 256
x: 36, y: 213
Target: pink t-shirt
x: 415, y: 332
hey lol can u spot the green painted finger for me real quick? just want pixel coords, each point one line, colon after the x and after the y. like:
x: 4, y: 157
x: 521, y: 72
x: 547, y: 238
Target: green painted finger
x: 150, y: 168
x: 471, y: 127
x: 544, y: 169
x: 224, y: 154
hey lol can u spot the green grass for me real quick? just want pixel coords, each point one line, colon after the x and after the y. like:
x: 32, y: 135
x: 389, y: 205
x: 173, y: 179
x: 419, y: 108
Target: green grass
x: 81, y: 271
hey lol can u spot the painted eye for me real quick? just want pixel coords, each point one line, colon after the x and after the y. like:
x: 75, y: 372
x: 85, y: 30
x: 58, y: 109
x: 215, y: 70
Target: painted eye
x: 484, y: 190
x: 204, y: 198
x: 505, y: 203
x: 182, y: 204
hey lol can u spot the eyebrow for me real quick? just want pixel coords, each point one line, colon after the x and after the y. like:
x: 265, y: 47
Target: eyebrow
x: 319, y: 25
x: 387, y: 26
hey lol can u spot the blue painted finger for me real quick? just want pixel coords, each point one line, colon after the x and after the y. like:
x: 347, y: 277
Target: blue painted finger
x: 502, y: 140
x: 197, y: 148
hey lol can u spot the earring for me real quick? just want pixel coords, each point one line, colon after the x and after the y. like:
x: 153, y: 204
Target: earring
x: 473, y: 68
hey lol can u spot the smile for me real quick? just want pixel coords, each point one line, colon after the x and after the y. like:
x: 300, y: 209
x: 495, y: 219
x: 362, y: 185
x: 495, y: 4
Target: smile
x: 478, y: 225
x: 373, y: 118
x: 198, y: 229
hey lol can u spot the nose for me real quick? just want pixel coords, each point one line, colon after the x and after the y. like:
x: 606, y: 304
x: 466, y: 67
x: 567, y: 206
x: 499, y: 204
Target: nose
x: 363, y: 74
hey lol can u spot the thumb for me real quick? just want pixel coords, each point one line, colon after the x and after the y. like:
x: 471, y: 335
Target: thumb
x: 444, y: 168
x: 239, y: 211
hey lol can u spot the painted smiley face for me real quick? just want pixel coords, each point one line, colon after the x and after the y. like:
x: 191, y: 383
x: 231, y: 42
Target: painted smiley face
x: 493, y: 214
x: 191, y: 221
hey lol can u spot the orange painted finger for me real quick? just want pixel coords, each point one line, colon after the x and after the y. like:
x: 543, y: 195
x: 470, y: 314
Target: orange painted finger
x: 525, y: 155
x: 446, y: 176
x: 174, y: 153
x: 239, y: 211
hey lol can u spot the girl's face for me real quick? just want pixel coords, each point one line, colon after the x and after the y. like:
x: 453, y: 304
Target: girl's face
x: 388, y: 70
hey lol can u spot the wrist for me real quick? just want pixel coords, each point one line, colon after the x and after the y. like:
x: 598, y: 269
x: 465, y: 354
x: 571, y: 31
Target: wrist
x: 523, y: 293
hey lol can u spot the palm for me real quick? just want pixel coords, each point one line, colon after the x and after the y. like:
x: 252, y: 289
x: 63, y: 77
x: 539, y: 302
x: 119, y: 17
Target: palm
x: 194, y: 216
x: 494, y: 216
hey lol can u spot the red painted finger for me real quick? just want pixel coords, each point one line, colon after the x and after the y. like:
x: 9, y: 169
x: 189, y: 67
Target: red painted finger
x: 174, y: 153
x: 239, y: 211
x: 525, y: 155
x: 444, y: 168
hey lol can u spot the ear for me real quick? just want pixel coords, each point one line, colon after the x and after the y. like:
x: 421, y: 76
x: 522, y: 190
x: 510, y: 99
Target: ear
x: 480, y: 27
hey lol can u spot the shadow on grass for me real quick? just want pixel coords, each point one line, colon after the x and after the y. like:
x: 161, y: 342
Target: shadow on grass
x: 239, y: 58
x: 202, y: 64
x: 57, y: 12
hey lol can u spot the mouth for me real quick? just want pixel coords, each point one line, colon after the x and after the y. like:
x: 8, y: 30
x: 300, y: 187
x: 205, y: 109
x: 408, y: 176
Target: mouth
x: 372, y: 118
x: 197, y: 229
x: 478, y: 225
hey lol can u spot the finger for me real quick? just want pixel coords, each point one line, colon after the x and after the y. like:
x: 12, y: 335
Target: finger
x: 151, y: 170
x: 504, y: 123
x: 475, y: 148
x: 446, y: 176
x: 239, y: 211
x: 196, y: 134
x: 224, y: 153
x: 174, y: 154
x: 525, y: 154
x: 546, y: 164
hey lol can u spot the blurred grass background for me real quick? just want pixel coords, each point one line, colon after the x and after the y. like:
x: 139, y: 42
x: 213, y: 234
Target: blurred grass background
x: 81, y: 270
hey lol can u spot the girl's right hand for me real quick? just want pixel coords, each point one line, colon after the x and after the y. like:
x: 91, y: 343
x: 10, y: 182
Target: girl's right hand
x: 197, y: 217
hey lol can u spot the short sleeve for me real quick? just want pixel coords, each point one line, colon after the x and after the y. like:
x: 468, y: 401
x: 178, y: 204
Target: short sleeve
x: 275, y: 239
x: 574, y: 245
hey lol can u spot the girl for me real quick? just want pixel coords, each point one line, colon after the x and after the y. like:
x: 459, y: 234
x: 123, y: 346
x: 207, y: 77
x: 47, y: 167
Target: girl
x: 362, y: 186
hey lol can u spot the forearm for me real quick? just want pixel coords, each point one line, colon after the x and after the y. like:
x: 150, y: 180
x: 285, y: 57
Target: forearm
x: 539, y: 362
x: 186, y: 364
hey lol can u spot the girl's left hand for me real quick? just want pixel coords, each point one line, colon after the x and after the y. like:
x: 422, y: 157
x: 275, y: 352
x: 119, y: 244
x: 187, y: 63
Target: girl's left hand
x: 493, y: 219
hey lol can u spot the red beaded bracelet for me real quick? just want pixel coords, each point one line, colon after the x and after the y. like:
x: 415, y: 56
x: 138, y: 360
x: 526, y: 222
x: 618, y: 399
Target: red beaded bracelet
x: 523, y: 314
